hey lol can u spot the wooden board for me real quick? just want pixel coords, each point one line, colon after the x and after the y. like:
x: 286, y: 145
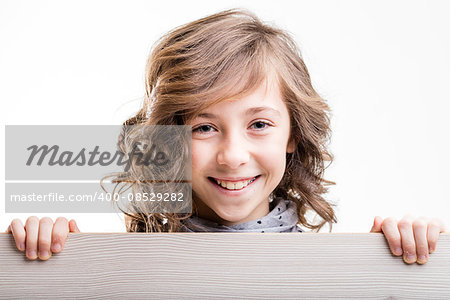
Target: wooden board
x: 224, y: 266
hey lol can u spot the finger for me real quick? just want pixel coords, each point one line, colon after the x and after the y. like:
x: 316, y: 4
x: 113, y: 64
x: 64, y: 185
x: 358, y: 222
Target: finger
x: 17, y: 229
x: 45, y: 238
x: 59, y: 234
x: 73, y: 226
x: 8, y: 230
x: 407, y: 238
x: 435, y: 227
x: 392, y: 235
x: 377, y: 222
x: 32, y: 231
x: 420, y: 235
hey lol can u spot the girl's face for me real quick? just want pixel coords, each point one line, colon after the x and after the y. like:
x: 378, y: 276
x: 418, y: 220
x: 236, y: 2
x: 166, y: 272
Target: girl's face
x: 241, y: 144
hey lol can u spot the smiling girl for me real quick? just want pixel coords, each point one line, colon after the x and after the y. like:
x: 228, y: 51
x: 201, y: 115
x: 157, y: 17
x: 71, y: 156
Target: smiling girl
x: 259, y: 139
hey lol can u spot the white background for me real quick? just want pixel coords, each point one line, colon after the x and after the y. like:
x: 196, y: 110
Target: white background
x: 383, y: 67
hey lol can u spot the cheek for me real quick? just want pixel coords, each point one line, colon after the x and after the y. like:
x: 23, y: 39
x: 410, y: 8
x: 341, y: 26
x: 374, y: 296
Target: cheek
x: 273, y: 158
x: 196, y: 155
x: 201, y: 157
x: 196, y: 167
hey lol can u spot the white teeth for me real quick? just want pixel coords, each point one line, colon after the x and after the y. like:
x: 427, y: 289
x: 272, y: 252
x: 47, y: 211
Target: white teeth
x: 230, y: 186
x: 234, y: 185
x: 239, y: 185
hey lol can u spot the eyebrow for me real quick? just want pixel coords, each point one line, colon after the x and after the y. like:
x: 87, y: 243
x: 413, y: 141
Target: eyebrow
x: 250, y: 111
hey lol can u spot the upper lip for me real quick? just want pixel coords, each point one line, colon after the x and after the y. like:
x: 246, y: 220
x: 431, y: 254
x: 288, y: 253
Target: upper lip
x: 234, y: 178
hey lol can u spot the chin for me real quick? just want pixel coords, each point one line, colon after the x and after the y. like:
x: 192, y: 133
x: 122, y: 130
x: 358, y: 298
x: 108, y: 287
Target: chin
x: 233, y: 216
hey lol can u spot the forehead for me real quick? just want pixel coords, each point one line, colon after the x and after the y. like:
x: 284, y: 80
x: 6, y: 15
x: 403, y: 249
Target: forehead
x: 264, y: 91
x: 246, y: 112
x: 264, y: 99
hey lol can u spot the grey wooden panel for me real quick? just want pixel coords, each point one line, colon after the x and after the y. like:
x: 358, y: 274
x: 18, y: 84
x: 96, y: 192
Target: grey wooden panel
x: 224, y: 266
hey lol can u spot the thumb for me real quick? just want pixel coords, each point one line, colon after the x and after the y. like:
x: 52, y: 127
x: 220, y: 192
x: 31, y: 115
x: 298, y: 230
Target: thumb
x: 73, y: 226
x: 377, y: 222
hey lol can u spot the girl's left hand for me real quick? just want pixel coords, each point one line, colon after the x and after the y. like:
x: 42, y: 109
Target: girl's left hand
x: 411, y: 237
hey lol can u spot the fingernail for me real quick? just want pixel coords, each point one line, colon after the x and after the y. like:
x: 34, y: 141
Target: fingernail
x: 31, y: 254
x: 411, y: 258
x: 398, y: 251
x: 431, y: 250
x: 56, y: 247
x: 422, y: 258
x: 22, y: 247
x: 43, y: 254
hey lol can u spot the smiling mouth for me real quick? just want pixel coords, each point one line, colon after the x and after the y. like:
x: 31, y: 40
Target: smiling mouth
x: 232, y: 186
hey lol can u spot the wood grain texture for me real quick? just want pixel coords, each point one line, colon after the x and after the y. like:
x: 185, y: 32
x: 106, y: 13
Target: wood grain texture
x: 224, y: 266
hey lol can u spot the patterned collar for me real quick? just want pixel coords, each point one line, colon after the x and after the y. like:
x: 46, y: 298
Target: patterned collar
x: 282, y: 218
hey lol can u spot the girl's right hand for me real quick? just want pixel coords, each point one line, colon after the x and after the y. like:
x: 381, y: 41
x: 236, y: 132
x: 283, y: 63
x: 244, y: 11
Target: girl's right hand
x: 39, y: 238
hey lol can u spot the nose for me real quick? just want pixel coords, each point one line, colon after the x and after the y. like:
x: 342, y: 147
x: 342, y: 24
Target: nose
x: 233, y: 151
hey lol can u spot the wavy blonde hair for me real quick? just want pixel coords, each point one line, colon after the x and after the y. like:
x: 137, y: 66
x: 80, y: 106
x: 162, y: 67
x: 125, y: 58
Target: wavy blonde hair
x: 227, y: 55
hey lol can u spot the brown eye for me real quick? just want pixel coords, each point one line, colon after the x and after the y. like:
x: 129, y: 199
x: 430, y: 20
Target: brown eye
x: 202, y: 129
x: 260, y: 125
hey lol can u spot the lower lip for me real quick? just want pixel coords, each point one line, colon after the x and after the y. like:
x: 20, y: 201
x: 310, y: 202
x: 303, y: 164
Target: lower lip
x: 233, y: 192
